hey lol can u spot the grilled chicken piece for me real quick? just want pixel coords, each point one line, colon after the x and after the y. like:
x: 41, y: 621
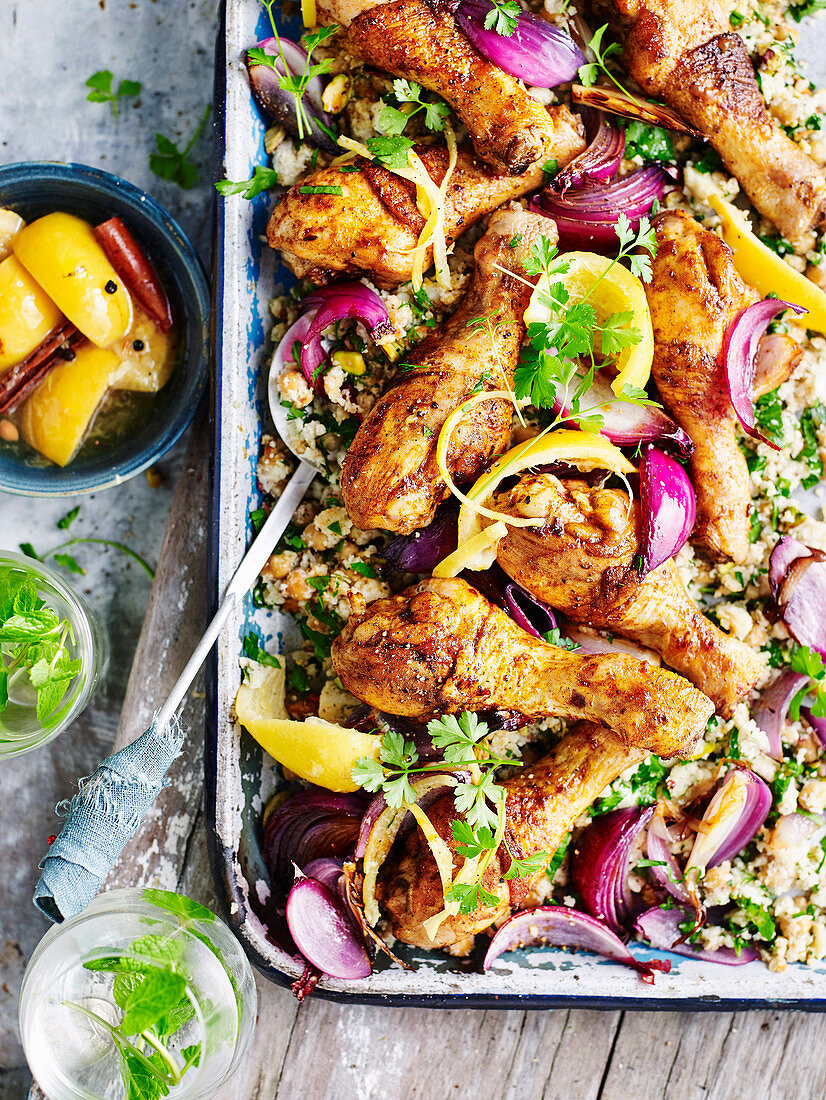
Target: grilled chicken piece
x: 694, y: 294
x: 390, y: 477
x: 440, y: 647
x: 372, y: 228
x: 685, y: 52
x: 542, y: 802
x: 581, y: 563
x: 510, y: 130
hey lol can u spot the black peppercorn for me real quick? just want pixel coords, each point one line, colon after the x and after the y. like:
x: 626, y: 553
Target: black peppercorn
x: 67, y: 353
x: 111, y: 287
x: 138, y: 345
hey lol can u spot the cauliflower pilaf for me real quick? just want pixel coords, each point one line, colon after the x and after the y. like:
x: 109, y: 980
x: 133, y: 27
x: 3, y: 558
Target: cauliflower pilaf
x: 773, y: 894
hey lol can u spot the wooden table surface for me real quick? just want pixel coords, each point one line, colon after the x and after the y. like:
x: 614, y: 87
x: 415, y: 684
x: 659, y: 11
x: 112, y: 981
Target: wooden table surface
x: 319, y: 1049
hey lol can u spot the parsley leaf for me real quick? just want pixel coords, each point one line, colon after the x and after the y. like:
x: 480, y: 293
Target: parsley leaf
x: 256, y: 652
x: 101, y: 85
x: 589, y: 72
x: 262, y: 179
x: 456, y: 737
x: 503, y: 17
x: 391, y: 151
x: 393, y: 121
x: 652, y: 144
x: 170, y: 163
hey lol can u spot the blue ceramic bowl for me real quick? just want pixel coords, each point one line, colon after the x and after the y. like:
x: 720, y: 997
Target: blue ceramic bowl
x: 34, y: 188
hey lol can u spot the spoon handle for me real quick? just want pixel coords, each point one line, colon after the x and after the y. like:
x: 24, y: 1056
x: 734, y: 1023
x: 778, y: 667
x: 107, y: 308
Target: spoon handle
x: 244, y: 578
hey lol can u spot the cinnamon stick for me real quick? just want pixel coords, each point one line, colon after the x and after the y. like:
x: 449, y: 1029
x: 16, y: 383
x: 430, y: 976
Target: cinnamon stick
x: 18, y: 381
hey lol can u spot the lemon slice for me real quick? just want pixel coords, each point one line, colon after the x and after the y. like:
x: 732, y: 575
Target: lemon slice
x: 765, y: 270
x: 309, y: 16
x: 320, y: 752
x: 618, y: 291
x: 584, y: 450
x: 478, y: 553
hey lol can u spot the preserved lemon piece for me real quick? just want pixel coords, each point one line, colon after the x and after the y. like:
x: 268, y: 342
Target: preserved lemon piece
x: 765, y: 270
x: 10, y: 226
x: 478, y: 553
x: 60, y: 252
x: 610, y: 288
x: 318, y: 751
x: 147, y: 356
x: 27, y: 315
x: 59, y: 413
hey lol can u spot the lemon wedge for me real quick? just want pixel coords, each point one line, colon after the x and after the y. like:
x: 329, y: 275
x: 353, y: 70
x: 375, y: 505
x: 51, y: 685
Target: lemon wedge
x: 584, y: 450
x: 618, y: 291
x: 320, y: 752
x: 479, y: 552
x: 765, y: 270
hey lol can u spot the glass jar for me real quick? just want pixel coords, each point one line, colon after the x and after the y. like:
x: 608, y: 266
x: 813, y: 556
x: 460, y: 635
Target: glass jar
x: 77, y: 985
x: 85, y: 640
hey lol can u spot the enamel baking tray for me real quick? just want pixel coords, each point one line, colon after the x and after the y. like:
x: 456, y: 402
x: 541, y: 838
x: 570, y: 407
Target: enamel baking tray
x: 239, y: 776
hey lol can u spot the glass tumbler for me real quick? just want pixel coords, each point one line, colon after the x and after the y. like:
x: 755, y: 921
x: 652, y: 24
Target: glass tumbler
x: 82, y: 1039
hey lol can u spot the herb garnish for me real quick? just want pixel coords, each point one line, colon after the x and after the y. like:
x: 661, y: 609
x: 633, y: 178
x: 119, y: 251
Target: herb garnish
x: 549, y: 367
x: 262, y: 179
x: 33, y: 643
x: 320, y: 189
x: 393, y: 121
x: 503, y: 17
x: 101, y: 85
x: 295, y: 83
x: 651, y: 143
x: 170, y: 163
x: 480, y: 832
x: 68, y: 561
x: 589, y: 72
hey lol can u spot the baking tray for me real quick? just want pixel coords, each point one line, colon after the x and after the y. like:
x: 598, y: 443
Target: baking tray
x: 239, y: 775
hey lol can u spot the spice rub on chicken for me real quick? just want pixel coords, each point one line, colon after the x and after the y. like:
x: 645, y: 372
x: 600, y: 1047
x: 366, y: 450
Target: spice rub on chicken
x: 542, y: 802
x: 685, y: 52
x: 694, y: 294
x: 440, y: 647
x: 373, y: 226
x: 581, y: 562
x: 390, y: 478
x: 510, y: 130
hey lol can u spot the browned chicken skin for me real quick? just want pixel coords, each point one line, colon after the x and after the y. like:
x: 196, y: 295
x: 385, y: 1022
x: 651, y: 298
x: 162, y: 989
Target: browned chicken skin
x: 509, y: 129
x: 440, y: 647
x: 581, y: 562
x: 694, y: 294
x: 390, y: 478
x: 372, y: 228
x: 685, y: 52
x: 542, y: 802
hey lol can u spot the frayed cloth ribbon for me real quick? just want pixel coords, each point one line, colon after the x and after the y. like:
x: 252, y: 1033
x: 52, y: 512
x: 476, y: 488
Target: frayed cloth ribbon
x: 101, y: 818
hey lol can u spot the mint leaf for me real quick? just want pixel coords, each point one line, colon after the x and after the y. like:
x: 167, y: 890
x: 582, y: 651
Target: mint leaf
x: 160, y: 991
x: 183, y: 907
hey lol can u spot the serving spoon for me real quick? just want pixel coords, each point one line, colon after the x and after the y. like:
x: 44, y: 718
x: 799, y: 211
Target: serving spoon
x: 112, y: 802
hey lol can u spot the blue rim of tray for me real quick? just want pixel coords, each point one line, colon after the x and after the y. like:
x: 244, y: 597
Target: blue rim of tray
x: 223, y: 860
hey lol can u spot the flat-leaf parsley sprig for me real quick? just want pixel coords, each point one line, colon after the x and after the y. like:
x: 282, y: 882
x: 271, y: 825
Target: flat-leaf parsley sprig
x: 550, y: 367
x: 392, y: 120
x: 294, y: 84
x: 480, y: 831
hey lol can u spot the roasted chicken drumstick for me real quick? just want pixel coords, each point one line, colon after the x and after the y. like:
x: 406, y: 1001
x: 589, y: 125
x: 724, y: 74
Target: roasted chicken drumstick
x: 685, y: 52
x: 542, y: 802
x: 581, y: 563
x: 372, y: 227
x: 694, y: 294
x: 390, y: 477
x: 509, y: 129
x: 440, y: 647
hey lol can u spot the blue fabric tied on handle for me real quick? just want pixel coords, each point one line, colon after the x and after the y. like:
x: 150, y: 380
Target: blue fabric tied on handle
x: 105, y: 813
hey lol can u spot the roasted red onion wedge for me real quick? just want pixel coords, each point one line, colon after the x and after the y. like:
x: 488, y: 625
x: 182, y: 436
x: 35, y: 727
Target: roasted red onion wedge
x: 337, y: 302
x: 589, y: 215
x: 661, y: 928
x: 664, y: 867
x: 537, y: 52
x: 740, y: 345
x: 732, y: 819
x: 323, y: 932
x: 626, y: 424
x: 312, y: 824
x: 772, y: 707
x: 326, y: 871
x: 668, y: 509
x: 527, y: 611
x: 817, y: 724
x: 797, y: 578
x: 422, y: 551
x: 592, y: 642
x: 280, y: 105
x: 601, y: 862
x: 600, y: 161
x: 557, y: 926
